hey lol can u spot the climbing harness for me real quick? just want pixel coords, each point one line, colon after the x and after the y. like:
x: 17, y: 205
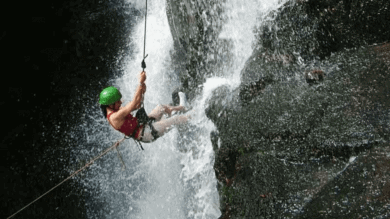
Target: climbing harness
x: 154, y: 132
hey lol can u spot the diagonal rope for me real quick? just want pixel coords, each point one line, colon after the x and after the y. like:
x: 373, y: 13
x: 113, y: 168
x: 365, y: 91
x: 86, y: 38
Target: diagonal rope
x: 75, y: 173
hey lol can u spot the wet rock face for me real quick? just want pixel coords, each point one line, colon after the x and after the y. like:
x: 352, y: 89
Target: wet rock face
x: 222, y: 105
x: 251, y: 90
x: 374, y: 81
x: 314, y: 76
x: 312, y: 95
x: 362, y: 189
x: 199, y: 52
x: 316, y: 28
x: 349, y: 23
x: 296, y: 122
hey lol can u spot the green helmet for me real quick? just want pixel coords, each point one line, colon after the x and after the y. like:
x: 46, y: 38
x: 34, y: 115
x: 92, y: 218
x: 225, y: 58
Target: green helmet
x: 109, y: 96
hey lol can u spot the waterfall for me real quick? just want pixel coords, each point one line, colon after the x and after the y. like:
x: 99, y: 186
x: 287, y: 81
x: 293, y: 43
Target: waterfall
x: 241, y: 18
x: 174, y: 176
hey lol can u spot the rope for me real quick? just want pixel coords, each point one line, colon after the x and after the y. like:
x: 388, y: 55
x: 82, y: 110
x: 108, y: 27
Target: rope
x: 120, y: 158
x: 146, y: 14
x: 143, y: 66
x: 75, y: 173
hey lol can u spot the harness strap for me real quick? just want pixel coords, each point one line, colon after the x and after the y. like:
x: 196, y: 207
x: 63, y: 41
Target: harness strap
x: 135, y: 140
x: 108, y: 116
x: 142, y: 134
x: 150, y: 120
x: 154, y: 131
x: 135, y: 130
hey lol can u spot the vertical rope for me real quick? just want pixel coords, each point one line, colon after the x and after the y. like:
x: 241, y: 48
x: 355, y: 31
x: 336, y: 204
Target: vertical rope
x: 146, y: 14
x: 143, y: 65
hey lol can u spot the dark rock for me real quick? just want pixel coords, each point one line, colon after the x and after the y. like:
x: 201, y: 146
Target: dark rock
x: 361, y: 190
x: 214, y: 139
x: 304, y: 128
x: 199, y: 53
x: 349, y: 24
x: 315, y: 76
x: 175, y: 97
x: 281, y: 141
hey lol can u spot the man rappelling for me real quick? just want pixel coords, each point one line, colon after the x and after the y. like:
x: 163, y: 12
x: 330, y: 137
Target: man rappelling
x: 144, y: 130
x: 143, y: 127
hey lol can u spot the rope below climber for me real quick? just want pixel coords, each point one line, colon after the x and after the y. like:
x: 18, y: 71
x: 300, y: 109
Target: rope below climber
x: 115, y: 145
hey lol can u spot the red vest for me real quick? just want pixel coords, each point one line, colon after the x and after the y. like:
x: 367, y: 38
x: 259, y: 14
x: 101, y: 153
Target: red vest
x: 129, y: 125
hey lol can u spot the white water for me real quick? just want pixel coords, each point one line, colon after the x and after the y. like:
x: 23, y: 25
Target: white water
x: 174, y: 176
x: 242, y: 18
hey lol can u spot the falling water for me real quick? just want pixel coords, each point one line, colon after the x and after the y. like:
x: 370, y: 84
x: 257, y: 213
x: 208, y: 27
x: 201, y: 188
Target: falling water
x: 174, y: 176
